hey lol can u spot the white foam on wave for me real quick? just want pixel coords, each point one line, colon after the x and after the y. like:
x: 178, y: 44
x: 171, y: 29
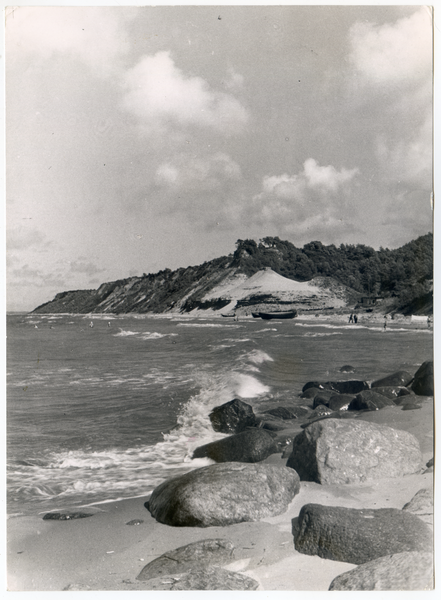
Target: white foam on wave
x: 258, y: 357
x: 124, y: 333
x: 318, y: 334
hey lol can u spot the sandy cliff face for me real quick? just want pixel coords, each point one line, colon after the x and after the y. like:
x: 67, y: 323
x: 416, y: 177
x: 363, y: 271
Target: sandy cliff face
x: 219, y: 290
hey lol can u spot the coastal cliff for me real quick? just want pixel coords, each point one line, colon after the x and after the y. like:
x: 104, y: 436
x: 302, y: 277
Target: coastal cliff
x: 275, y: 275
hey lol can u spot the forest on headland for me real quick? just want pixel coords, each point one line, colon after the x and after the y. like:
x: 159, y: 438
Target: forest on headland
x: 403, y: 275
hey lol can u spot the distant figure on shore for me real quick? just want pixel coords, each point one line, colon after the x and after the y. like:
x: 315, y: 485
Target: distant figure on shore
x: 108, y: 323
x: 351, y: 318
x: 385, y: 322
x: 91, y: 324
x: 355, y: 318
x: 429, y: 322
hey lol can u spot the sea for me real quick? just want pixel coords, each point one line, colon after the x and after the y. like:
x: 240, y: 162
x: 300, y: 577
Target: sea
x: 106, y: 407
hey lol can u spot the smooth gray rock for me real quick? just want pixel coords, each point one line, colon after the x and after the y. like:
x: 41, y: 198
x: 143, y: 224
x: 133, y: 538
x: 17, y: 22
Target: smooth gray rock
x: 223, y: 494
x: 322, y: 398
x: 404, y: 571
x: 232, y: 417
x: 183, y: 559
x: 370, y: 400
x: 422, y: 505
x: 358, y: 535
x: 249, y: 446
x: 398, y: 378
x: 423, y: 380
x: 334, y: 451
x: 347, y: 369
x: 212, y: 578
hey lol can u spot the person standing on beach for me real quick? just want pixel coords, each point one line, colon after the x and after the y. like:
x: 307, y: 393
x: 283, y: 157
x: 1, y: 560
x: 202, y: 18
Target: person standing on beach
x: 351, y: 318
x: 385, y: 322
x: 355, y: 318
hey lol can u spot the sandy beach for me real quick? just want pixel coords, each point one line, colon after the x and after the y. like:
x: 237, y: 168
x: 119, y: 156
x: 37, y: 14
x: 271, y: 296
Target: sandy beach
x: 103, y: 552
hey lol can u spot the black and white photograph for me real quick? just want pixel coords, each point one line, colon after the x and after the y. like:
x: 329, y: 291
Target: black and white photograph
x: 219, y: 298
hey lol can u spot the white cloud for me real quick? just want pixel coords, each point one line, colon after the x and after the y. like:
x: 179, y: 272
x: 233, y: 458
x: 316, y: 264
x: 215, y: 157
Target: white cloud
x: 96, y: 35
x: 187, y: 173
x: 157, y: 92
x: 399, y: 52
x: 318, y: 198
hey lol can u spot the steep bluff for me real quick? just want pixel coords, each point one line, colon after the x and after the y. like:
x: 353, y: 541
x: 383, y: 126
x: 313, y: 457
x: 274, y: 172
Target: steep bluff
x: 272, y: 274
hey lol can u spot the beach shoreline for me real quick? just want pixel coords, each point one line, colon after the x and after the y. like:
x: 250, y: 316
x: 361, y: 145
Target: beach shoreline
x: 104, y: 553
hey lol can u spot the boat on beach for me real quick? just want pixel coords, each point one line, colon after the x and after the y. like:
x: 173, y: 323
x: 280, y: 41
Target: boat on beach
x: 287, y: 314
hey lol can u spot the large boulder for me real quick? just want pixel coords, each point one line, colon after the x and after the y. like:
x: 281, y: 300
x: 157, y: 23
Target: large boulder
x: 214, y: 578
x: 334, y: 451
x: 197, y: 554
x: 370, y: 400
x: 423, y: 380
x: 223, y: 494
x: 397, y: 378
x: 249, y: 446
x: 404, y: 571
x: 358, y: 535
x: 232, y: 417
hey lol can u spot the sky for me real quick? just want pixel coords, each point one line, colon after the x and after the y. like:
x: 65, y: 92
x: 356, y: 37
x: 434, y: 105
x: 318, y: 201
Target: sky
x: 145, y: 138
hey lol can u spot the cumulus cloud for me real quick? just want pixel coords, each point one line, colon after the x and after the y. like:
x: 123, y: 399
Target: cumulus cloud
x: 397, y: 52
x: 316, y: 197
x: 96, y: 35
x: 188, y: 173
x: 157, y: 92
x: 393, y: 65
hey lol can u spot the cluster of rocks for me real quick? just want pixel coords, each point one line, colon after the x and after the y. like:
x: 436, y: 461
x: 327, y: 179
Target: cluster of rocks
x: 328, y: 445
x: 392, y: 547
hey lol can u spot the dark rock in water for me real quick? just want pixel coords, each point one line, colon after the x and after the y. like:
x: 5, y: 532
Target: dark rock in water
x: 423, y: 380
x: 211, y: 578
x: 404, y: 571
x: 249, y: 446
x: 430, y: 463
x: 66, y: 516
x: 422, y: 505
x: 232, y: 417
x: 197, y: 554
x: 322, y: 398
x: 393, y: 391
x: 353, y: 386
x: 318, y: 385
x: 358, y: 535
x: 135, y: 522
x: 398, y: 378
x: 340, y: 401
x: 370, y: 400
x: 281, y: 412
x: 347, y: 369
x: 300, y: 411
x: 310, y: 392
x: 334, y: 451
x: 223, y: 494
x: 350, y: 387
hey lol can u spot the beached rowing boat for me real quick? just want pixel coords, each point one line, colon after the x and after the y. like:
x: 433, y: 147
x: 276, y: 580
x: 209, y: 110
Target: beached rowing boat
x: 288, y: 314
